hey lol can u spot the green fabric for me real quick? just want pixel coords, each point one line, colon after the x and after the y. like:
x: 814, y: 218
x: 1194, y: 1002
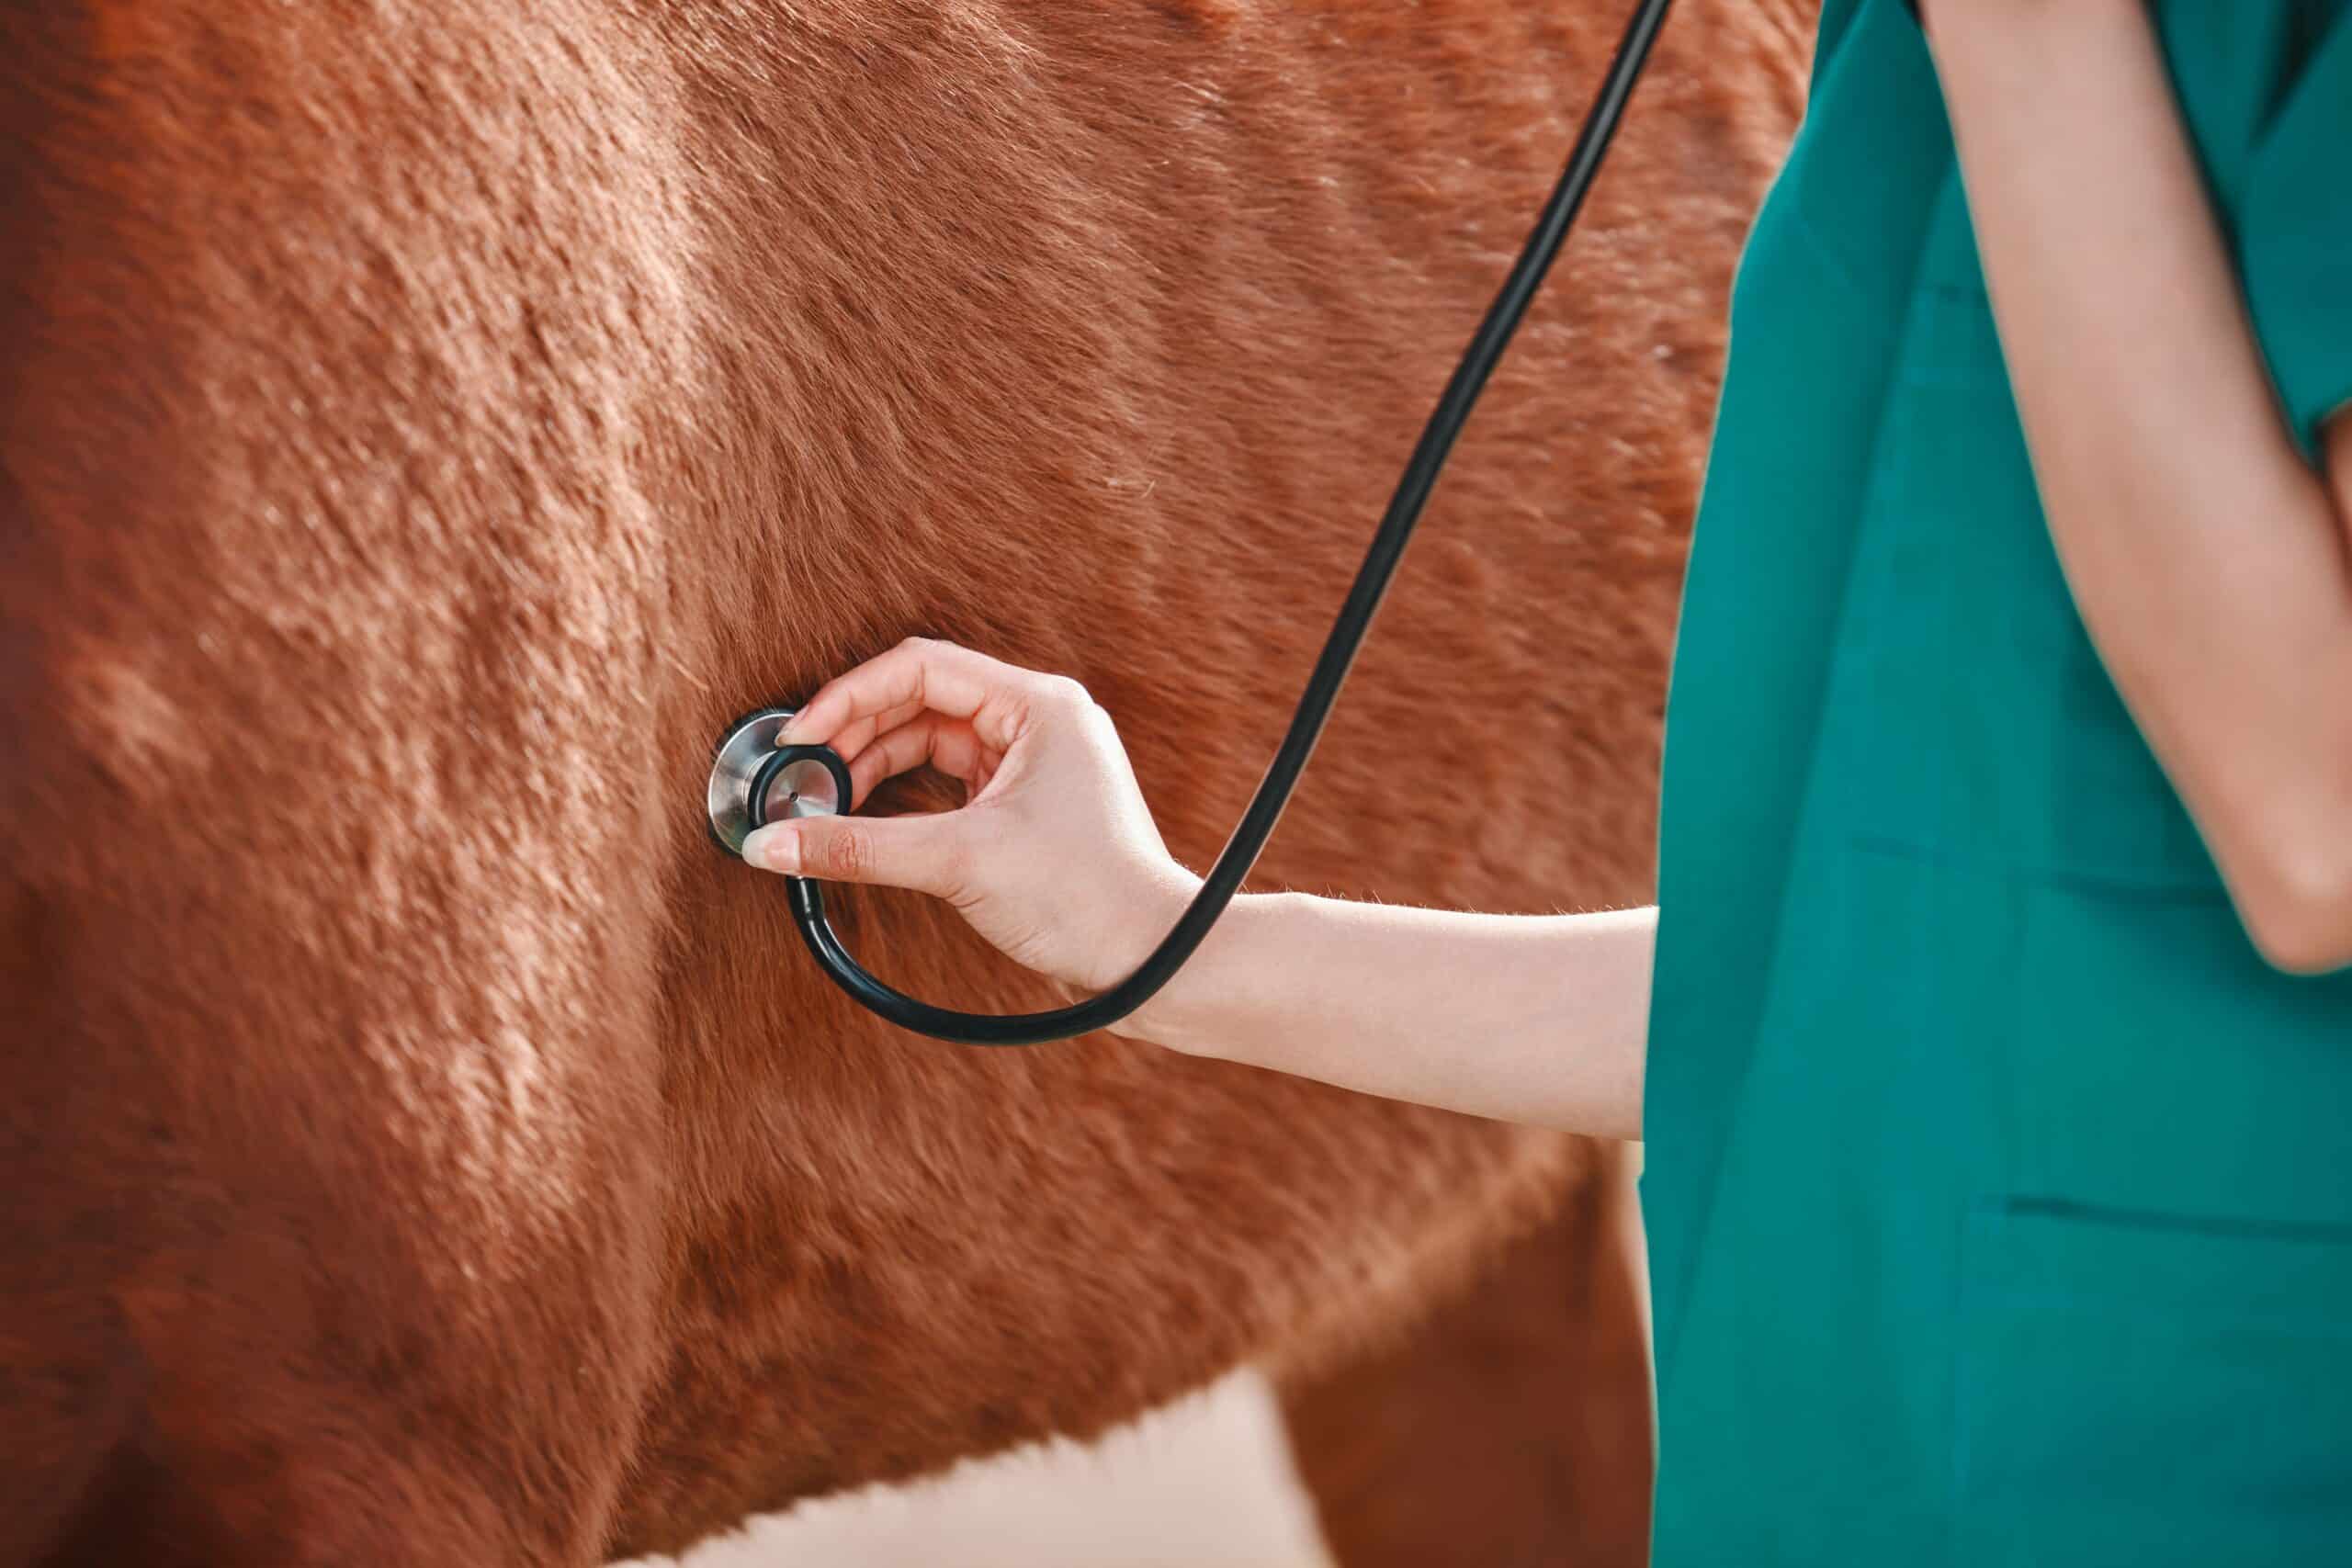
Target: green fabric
x: 1999, y: 1195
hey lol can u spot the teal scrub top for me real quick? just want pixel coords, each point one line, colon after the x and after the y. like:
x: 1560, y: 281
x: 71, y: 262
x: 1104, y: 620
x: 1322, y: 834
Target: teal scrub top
x: 1999, y: 1194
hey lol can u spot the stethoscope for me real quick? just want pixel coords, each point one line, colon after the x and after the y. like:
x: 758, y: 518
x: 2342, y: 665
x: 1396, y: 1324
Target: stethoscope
x: 753, y: 781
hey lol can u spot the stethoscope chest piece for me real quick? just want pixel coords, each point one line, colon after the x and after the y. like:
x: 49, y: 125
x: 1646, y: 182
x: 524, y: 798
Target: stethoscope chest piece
x: 753, y: 781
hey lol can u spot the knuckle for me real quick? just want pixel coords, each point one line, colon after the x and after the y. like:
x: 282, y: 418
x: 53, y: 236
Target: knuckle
x: 1067, y: 691
x: 844, y: 854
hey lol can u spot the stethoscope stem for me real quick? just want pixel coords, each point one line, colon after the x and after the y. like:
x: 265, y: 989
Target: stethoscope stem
x: 1354, y: 620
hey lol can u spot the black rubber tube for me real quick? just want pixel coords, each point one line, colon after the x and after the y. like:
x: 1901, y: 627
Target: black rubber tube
x: 1387, y: 547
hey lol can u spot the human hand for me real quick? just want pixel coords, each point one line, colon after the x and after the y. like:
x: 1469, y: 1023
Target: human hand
x: 1053, y: 857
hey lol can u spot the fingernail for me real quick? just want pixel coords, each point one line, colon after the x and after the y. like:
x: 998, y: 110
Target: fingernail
x: 772, y: 848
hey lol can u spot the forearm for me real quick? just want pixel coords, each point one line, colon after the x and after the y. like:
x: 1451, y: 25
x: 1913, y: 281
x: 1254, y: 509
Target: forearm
x: 2207, y: 557
x: 1534, y: 1018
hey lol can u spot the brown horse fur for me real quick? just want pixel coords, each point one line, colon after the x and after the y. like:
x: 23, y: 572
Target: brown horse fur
x: 1509, y: 1430
x: 425, y: 425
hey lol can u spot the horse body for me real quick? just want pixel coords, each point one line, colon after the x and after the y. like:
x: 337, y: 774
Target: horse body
x: 425, y: 427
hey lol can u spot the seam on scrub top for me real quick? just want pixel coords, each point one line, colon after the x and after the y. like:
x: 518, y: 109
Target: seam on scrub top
x: 1789, y: 205
x: 1947, y: 376
x: 1960, y: 1365
x: 1986, y: 1216
x: 1836, y: 262
x: 1666, y: 1347
x: 2113, y: 886
x: 1958, y: 293
x: 2127, y: 1306
x: 1951, y: 378
x: 2121, y: 1217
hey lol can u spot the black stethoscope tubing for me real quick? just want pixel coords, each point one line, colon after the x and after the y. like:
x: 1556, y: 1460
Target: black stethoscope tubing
x: 1387, y: 547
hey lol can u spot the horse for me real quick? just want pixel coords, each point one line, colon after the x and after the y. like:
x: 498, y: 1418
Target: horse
x: 425, y: 426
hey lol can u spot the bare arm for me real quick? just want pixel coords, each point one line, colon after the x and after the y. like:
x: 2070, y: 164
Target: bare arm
x: 1054, y: 858
x: 2207, y: 556
x: 1532, y: 1018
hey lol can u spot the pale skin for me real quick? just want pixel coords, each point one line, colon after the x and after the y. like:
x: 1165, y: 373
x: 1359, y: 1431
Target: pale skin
x: 2210, y: 560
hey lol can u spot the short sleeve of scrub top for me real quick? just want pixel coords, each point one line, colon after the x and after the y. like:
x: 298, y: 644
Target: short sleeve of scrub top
x: 1999, y: 1194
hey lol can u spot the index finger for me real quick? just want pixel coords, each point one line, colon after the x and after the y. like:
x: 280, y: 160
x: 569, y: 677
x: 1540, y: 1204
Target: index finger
x: 941, y: 676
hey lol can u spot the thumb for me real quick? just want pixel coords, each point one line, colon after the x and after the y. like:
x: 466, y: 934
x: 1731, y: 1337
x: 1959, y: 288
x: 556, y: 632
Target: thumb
x: 914, y: 852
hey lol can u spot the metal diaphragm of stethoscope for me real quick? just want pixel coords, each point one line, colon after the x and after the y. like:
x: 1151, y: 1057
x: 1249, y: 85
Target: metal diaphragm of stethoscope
x: 753, y: 781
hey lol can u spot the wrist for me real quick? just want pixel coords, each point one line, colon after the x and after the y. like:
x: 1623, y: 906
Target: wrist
x: 1190, y: 1015
x: 1162, y: 902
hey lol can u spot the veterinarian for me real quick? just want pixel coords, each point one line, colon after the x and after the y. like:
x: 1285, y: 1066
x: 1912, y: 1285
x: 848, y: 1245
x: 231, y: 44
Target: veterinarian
x: 1997, y: 1089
